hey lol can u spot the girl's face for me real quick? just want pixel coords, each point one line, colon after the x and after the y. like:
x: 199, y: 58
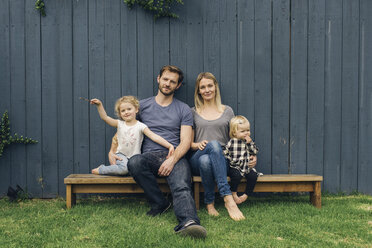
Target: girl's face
x: 128, y: 111
x: 243, y: 131
x: 207, y: 89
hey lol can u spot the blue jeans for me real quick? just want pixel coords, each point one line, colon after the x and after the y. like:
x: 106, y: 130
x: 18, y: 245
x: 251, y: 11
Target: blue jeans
x: 120, y: 168
x: 144, y: 169
x: 211, y: 165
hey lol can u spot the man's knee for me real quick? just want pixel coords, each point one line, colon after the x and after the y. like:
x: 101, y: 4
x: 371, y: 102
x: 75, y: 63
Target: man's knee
x: 135, y: 164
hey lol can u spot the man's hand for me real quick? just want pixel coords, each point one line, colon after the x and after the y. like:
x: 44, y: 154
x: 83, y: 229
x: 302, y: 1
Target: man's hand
x: 166, y: 167
x: 252, y: 161
x: 113, y: 157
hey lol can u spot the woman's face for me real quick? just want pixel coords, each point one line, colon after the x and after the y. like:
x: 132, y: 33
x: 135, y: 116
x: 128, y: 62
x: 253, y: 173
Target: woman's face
x: 207, y: 89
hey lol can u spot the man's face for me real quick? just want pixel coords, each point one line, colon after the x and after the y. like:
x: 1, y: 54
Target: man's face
x: 168, y: 83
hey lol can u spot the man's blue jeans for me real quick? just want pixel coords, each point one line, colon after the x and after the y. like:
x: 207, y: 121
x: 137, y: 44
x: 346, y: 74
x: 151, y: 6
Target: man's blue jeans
x: 211, y: 165
x: 144, y: 169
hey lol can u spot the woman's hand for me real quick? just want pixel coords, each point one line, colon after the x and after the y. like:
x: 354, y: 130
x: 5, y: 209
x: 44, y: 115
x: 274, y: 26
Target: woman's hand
x: 202, y: 145
x: 252, y: 161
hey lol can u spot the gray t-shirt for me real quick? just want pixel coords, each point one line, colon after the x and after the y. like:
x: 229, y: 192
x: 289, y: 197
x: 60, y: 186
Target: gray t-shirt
x: 164, y: 121
x: 215, y: 129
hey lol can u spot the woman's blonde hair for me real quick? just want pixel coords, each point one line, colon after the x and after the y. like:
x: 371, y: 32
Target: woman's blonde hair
x: 126, y: 99
x: 234, y: 122
x: 198, y: 99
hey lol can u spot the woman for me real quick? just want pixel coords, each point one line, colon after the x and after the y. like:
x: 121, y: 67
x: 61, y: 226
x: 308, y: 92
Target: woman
x: 211, y: 131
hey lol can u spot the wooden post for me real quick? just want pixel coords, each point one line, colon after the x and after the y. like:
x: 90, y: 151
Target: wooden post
x: 316, y: 196
x: 197, y: 194
x: 68, y: 196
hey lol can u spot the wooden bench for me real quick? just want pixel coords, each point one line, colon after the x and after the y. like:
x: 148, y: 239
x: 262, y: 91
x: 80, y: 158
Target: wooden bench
x: 277, y: 183
x: 90, y: 183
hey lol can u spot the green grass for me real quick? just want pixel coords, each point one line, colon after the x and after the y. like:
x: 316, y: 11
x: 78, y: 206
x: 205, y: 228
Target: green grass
x: 275, y: 221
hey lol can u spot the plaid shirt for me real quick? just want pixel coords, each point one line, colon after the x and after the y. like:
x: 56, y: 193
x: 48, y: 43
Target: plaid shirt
x: 237, y: 152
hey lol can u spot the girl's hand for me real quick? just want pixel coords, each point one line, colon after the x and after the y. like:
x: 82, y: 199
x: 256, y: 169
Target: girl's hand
x: 202, y: 145
x: 95, y: 101
x: 248, y: 139
x: 171, y: 151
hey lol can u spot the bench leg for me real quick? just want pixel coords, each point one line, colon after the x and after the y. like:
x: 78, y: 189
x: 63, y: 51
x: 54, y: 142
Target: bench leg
x: 197, y: 195
x: 70, y: 197
x: 316, y: 196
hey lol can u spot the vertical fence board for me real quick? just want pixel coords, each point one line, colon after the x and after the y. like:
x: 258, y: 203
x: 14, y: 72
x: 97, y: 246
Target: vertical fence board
x: 50, y: 40
x: 332, y: 92
x: 194, y: 48
x: 177, y: 48
x: 280, y: 86
x: 128, y: 49
x: 5, y: 163
x: 262, y: 84
x: 96, y: 24
x: 161, y: 48
x: 17, y: 91
x: 365, y: 99
x: 145, y: 43
x: 112, y: 65
x: 228, y: 55
x: 211, y: 38
x: 298, y: 91
x: 33, y: 98
x: 349, y: 129
x: 315, y: 104
x: 80, y: 86
x: 245, y: 67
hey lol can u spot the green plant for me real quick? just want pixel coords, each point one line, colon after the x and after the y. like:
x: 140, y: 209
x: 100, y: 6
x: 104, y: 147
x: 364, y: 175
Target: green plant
x: 160, y: 8
x: 6, y: 139
x: 40, y: 6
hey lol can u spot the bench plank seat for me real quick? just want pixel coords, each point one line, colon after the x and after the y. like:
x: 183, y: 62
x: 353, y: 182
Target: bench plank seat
x: 90, y: 183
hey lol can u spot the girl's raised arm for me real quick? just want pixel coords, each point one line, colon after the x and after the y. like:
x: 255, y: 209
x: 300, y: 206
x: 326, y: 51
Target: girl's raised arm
x: 102, y: 113
x: 158, y: 139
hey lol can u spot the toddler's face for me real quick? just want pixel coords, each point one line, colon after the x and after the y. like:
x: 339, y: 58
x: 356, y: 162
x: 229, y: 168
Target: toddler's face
x: 128, y: 111
x: 243, y: 131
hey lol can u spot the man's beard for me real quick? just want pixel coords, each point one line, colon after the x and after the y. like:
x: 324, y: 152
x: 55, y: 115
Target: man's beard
x: 171, y: 92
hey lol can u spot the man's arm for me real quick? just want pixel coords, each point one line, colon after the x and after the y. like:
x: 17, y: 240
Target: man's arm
x: 185, y: 137
x: 114, y: 146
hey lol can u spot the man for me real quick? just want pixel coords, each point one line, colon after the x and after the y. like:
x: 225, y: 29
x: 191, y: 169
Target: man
x: 172, y: 120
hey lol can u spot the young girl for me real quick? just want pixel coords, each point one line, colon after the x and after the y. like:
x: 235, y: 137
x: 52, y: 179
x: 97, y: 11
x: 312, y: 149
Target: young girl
x: 239, y: 151
x: 129, y: 134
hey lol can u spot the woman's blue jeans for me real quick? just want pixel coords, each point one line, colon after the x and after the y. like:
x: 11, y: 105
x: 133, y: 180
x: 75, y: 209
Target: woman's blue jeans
x: 211, y: 165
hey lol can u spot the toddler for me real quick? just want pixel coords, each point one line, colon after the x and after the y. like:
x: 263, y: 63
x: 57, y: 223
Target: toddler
x: 130, y: 133
x: 239, y: 151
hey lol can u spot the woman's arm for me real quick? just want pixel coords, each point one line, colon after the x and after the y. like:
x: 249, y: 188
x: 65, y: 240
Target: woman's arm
x: 102, y: 113
x: 198, y: 146
x: 158, y: 139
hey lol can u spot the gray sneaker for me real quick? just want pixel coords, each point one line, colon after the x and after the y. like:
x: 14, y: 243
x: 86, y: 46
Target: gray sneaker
x: 192, y: 229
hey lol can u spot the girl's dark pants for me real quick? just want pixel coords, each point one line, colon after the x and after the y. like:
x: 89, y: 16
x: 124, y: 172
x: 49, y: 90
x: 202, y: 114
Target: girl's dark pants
x: 235, y: 178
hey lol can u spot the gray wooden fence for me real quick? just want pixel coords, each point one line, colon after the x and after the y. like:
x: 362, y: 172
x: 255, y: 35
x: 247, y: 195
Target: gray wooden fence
x: 300, y: 70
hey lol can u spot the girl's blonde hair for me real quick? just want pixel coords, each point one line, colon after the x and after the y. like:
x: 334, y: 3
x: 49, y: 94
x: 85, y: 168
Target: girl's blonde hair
x: 234, y: 122
x: 198, y: 99
x: 125, y: 99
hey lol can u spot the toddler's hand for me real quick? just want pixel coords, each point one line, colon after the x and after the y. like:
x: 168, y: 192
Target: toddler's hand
x: 95, y: 101
x: 171, y: 151
x: 202, y: 144
x: 248, y: 139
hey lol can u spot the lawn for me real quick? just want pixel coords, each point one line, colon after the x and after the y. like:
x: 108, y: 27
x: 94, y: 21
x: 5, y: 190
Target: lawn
x: 272, y: 221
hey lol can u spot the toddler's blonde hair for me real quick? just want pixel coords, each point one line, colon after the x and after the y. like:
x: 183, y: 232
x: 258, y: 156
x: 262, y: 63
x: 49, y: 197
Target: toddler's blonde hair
x: 234, y: 122
x: 126, y: 99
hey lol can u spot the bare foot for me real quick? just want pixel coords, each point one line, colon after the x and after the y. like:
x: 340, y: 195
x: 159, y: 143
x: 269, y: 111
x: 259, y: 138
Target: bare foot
x: 211, y: 210
x: 232, y: 208
x: 243, y: 198
x: 236, y: 198
x: 95, y: 171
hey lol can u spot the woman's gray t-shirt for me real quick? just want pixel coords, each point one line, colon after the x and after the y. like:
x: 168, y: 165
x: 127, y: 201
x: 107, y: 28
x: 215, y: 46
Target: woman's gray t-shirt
x: 213, y: 129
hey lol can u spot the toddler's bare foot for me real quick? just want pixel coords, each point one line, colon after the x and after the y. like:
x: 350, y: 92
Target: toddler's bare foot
x: 236, y: 198
x: 243, y: 198
x: 211, y: 210
x: 95, y: 171
x: 232, y: 208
